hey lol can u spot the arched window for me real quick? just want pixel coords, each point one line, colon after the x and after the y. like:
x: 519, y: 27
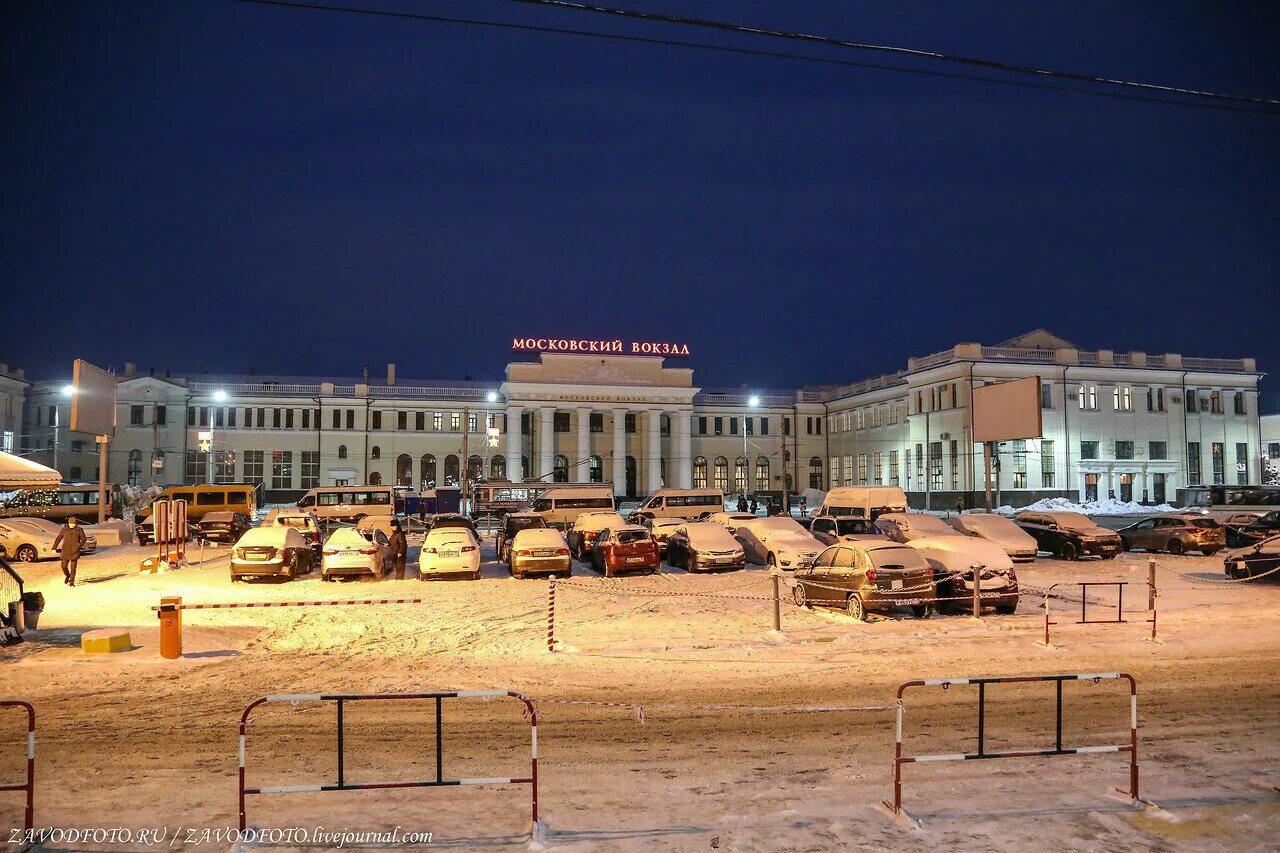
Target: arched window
x: 740, y: 475
x: 524, y: 467
x: 815, y: 472
x: 451, y: 470
x: 597, y: 470
x: 376, y: 452
x: 342, y: 451
x: 721, y: 474
x: 475, y: 468
x: 763, y: 479
x: 699, y: 472
x: 561, y: 472
x: 427, y: 470
x: 631, y: 475
x: 498, y: 468
x: 135, y: 467
x: 404, y: 470
x: 375, y: 479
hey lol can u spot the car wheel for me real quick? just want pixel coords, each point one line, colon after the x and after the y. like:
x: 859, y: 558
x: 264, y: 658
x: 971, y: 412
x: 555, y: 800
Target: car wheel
x: 26, y: 554
x: 853, y: 607
x: 920, y: 611
x: 691, y: 564
x: 1174, y: 547
x: 1210, y: 552
x: 1124, y: 544
x: 1068, y: 551
x: 798, y: 596
x: 1007, y: 609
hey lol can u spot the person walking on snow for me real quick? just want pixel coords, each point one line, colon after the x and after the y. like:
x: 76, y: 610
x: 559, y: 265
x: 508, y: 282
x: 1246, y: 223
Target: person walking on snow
x: 742, y: 503
x: 399, y: 548
x: 69, y: 543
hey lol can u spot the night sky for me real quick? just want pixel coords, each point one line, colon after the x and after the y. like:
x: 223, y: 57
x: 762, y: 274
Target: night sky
x: 210, y: 186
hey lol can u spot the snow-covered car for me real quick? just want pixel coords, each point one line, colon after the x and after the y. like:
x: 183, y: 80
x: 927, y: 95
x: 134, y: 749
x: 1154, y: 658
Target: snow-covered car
x: 830, y: 529
x: 1069, y: 535
x: 449, y: 551
x: 350, y: 552
x: 905, y: 526
x: 954, y: 560
x: 867, y: 575
x: 1015, y: 541
x: 661, y: 528
x: 538, y: 549
x: 777, y: 542
x: 271, y: 552
x: 587, y: 526
x: 729, y: 520
x: 1253, y: 560
x: 629, y: 548
x: 29, y: 539
x: 704, y: 545
x: 302, y: 520
x: 223, y: 526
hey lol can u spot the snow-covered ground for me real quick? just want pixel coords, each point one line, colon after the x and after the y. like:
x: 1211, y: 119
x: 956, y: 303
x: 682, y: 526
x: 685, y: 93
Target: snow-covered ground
x: 132, y: 739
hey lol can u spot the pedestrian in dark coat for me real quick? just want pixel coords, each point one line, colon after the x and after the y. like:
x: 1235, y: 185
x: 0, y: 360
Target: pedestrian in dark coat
x: 69, y: 542
x: 742, y: 503
x: 754, y: 506
x: 399, y: 549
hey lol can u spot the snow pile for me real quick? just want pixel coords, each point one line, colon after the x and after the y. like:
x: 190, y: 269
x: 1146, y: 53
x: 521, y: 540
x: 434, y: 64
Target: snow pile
x: 136, y: 497
x: 1103, y: 507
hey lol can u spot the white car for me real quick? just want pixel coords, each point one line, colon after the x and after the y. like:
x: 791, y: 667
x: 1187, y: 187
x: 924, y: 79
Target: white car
x: 954, y: 559
x: 539, y: 549
x: 730, y: 520
x: 271, y: 551
x: 906, y: 526
x: 351, y: 553
x: 449, y: 551
x: 587, y: 526
x: 1015, y: 541
x: 777, y: 542
x: 29, y: 539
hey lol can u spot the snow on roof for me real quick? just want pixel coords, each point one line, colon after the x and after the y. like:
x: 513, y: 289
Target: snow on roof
x: 19, y: 473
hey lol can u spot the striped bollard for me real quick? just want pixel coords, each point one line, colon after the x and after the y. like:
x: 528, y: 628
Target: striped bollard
x: 551, y: 615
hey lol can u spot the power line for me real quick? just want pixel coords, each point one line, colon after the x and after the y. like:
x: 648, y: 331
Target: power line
x: 756, y: 52
x: 902, y: 51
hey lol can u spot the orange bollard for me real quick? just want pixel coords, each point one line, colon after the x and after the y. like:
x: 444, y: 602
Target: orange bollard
x: 170, y: 627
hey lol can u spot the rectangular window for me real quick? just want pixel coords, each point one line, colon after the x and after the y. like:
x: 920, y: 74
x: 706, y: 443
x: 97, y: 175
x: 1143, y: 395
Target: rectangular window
x: 764, y: 426
x: 1088, y: 450
x: 906, y: 470
x: 282, y: 469
x: 351, y: 418
x: 1124, y: 449
x: 893, y: 468
x: 135, y: 416
x: 1193, y: 463
x: 786, y: 426
x: 955, y: 465
x: 231, y: 417
x: 275, y: 418
x: 629, y: 423
x: 377, y: 420
x: 749, y: 426
x: 337, y: 418
x: 196, y: 467
x: 191, y: 416
x: 1191, y: 401
x: 1219, y: 462
x: 162, y: 415
x: 455, y: 421
x: 288, y: 418
x: 1237, y: 405
x: 935, y: 466
x: 219, y: 419
x: 402, y: 420
x: 526, y: 423
x: 702, y: 426
x: 919, y: 467
x: 835, y: 471
x: 420, y: 421
x: 733, y: 426
x: 1155, y: 399
x: 262, y: 419
x: 310, y: 471
x: 719, y: 425
x: 204, y: 416
x: 1047, y: 464
x: 472, y: 423
x: 1088, y: 398
x: 306, y: 419
x: 596, y: 421
x: 561, y: 421
x: 1046, y: 395
x: 253, y: 466
x: 1158, y: 449
x: 224, y: 466
x: 1122, y: 398
x: 1019, y: 479
x: 862, y: 469
x: 1273, y: 450
x: 877, y: 475
x: 1215, y: 402
x: 1242, y: 464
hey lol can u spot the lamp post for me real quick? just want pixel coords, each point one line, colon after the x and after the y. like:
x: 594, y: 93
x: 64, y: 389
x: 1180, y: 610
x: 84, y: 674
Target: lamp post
x: 752, y: 402
x: 67, y: 391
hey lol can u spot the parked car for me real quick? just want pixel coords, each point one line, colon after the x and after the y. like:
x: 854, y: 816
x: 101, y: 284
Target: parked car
x: 585, y: 529
x: 449, y: 550
x: 629, y: 548
x: 1233, y: 522
x: 1253, y: 560
x: 729, y: 520
x: 450, y: 519
x: 302, y: 520
x: 1175, y: 532
x: 777, y: 542
x: 860, y: 576
x: 29, y: 539
x: 513, y: 523
x: 223, y: 526
x: 830, y: 529
x: 1266, y: 526
x: 539, y: 549
x: 905, y: 526
x: 704, y: 545
x: 1015, y: 541
x: 1069, y: 535
x: 660, y: 529
x: 271, y: 552
x: 954, y: 558
x: 351, y: 552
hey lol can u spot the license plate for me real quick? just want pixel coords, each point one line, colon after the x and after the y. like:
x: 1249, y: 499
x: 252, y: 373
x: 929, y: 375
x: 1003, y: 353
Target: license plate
x: 449, y: 553
x: 1240, y: 565
x: 255, y: 556
x: 544, y: 553
x: 635, y: 559
x: 895, y: 585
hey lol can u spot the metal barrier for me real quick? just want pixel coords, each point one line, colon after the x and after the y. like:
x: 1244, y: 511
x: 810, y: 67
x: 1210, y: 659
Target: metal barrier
x: 1152, y: 597
x: 439, y: 781
x: 28, y: 819
x: 1058, y: 749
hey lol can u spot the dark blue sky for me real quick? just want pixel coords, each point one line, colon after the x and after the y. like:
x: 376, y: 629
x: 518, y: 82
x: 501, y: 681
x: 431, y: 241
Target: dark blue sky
x: 209, y: 186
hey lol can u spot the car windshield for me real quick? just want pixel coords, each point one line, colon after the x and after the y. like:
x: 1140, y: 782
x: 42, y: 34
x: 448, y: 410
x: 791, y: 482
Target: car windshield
x: 528, y: 522
x: 896, y: 558
x: 709, y: 535
x: 988, y: 523
x: 921, y: 523
x: 1074, y: 521
x: 854, y: 527
x: 301, y: 522
x: 631, y: 537
x: 667, y: 523
x: 592, y: 521
x: 780, y: 525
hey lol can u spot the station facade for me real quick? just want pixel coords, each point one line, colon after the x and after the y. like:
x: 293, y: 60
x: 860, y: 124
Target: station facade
x: 1132, y: 426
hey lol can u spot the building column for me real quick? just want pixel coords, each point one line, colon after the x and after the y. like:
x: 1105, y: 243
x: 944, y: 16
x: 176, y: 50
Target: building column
x: 681, y: 431
x: 546, y: 442
x: 513, y: 443
x: 653, y: 449
x: 581, y: 470
x: 619, y: 451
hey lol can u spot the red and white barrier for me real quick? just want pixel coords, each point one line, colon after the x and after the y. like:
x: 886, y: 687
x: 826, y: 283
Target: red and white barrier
x: 439, y: 781
x: 945, y: 683
x: 339, y: 603
x: 28, y: 815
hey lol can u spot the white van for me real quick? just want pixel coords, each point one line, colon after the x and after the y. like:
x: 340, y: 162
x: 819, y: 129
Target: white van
x: 349, y: 503
x: 689, y: 504
x: 560, y: 506
x: 866, y: 501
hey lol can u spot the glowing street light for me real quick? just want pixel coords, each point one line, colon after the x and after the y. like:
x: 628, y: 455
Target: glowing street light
x: 68, y: 390
x: 219, y: 396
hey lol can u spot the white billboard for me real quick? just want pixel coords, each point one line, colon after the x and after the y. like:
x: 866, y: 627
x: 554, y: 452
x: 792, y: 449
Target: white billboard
x: 1007, y: 410
x: 93, y: 400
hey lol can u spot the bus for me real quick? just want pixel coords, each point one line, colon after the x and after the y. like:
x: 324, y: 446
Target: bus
x: 349, y: 503
x: 499, y: 497
x: 1230, y: 498
x: 66, y: 501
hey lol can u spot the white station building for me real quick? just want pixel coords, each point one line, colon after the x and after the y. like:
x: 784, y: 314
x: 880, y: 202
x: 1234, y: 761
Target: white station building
x: 1133, y: 426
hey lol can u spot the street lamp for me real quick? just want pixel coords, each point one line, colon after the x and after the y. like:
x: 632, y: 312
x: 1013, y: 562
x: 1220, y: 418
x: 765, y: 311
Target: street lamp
x: 67, y: 391
x: 219, y: 396
x: 752, y: 402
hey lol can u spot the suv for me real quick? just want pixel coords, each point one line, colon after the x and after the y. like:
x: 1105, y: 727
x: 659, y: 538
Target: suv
x: 513, y: 523
x: 1069, y: 535
x: 830, y: 529
x: 1267, y: 525
x: 1175, y: 532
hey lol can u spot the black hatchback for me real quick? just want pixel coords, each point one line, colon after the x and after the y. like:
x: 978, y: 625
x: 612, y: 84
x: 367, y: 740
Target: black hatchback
x: 513, y: 523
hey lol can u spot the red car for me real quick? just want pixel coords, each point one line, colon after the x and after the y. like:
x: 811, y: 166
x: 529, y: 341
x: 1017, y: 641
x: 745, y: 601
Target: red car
x: 624, y: 549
